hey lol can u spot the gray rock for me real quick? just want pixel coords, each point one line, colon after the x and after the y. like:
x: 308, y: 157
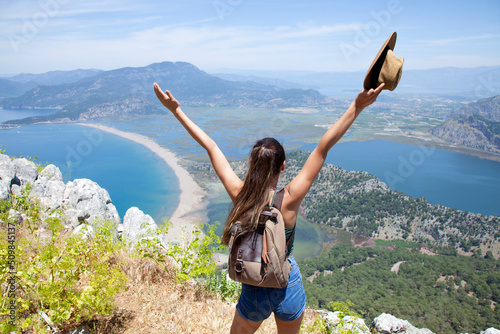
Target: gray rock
x: 71, y: 218
x: 15, y: 190
x: 337, y: 323
x: 51, y: 173
x: 82, y: 200
x: 14, y: 217
x: 90, y: 200
x: 86, y: 231
x: 4, y: 190
x: 7, y: 169
x: 49, y: 189
x: 26, y: 171
x: 491, y: 330
x: 51, y: 193
x: 137, y: 225
x: 386, y: 324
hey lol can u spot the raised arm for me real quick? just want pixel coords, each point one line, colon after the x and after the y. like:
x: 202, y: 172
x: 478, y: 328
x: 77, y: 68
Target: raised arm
x: 299, y: 186
x: 229, y: 179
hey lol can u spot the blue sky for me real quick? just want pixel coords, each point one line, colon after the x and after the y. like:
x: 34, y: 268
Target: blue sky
x: 45, y: 35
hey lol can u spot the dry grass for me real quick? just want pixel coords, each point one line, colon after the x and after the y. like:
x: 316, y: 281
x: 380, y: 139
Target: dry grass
x: 155, y: 303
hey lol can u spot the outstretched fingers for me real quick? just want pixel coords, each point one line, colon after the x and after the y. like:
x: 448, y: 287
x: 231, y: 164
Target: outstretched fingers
x: 169, y: 95
x: 166, y: 98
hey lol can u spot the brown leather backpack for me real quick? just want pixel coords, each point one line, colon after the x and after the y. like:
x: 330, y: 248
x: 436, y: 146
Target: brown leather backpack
x: 258, y: 257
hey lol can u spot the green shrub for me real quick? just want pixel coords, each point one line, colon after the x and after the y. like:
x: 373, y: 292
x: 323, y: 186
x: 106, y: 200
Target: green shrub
x: 193, y: 259
x: 220, y: 284
x: 47, y: 269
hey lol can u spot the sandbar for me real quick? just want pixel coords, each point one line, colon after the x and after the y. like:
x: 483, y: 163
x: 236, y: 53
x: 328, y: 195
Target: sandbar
x: 192, y: 204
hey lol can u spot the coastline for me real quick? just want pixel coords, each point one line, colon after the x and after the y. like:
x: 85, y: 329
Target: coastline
x: 192, y: 198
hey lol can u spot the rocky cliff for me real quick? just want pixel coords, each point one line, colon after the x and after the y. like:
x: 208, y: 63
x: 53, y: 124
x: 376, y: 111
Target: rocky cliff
x: 475, y: 125
x: 83, y: 201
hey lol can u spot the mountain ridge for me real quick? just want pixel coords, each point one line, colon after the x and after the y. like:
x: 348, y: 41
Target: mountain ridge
x: 475, y: 125
x: 128, y: 91
x: 465, y: 83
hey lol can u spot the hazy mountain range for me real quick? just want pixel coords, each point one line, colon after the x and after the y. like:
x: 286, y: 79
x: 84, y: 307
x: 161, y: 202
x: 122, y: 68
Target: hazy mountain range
x: 90, y: 94
x: 465, y: 83
x: 129, y: 91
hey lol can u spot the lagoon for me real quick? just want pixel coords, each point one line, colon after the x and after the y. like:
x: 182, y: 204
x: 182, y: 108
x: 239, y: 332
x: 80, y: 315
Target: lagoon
x: 132, y: 174
x: 452, y: 179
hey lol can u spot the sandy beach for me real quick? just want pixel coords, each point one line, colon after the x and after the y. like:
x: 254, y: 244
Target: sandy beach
x: 191, y: 202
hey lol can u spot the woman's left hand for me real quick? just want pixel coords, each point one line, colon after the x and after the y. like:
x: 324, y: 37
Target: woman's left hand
x: 367, y: 97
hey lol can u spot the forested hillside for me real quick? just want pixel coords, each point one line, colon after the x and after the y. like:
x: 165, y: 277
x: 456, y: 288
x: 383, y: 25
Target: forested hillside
x: 445, y: 293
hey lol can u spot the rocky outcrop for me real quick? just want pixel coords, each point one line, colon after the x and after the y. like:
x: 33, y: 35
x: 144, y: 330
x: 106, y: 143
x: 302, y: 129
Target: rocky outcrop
x: 25, y: 171
x: 88, y: 202
x: 81, y: 200
x: 386, y: 324
x: 487, y: 108
x: 137, y: 226
x: 338, y: 322
x: 471, y: 131
x: 475, y: 125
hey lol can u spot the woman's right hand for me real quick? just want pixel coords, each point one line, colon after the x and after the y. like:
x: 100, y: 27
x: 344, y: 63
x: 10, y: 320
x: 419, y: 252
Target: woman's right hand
x: 166, y: 98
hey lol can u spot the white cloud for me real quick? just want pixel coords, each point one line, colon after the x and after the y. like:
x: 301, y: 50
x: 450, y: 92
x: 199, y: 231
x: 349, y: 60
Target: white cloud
x: 109, y: 34
x: 280, y: 47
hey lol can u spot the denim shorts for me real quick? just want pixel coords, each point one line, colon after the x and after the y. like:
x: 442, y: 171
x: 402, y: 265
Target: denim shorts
x: 257, y: 303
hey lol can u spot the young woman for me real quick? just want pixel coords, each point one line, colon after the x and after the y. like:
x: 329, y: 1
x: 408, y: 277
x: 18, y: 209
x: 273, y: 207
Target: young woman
x: 267, y: 160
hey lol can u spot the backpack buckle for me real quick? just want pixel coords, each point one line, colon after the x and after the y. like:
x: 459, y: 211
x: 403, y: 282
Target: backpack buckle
x: 273, y: 216
x: 238, y: 266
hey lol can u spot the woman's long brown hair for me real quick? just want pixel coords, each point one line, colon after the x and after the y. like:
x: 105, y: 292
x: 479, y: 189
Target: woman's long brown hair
x: 266, y: 158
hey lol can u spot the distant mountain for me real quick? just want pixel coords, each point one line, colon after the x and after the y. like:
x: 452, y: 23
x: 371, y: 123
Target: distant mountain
x: 463, y: 83
x: 486, y: 108
x: 264, y: 81
x: 19, y: 84
x: 10, y: 88
x: 55, y: 77
x: 129, y: 91
x: 475, y: 125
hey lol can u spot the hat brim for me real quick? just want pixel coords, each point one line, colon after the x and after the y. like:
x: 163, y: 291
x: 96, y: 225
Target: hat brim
x: 371, y: 78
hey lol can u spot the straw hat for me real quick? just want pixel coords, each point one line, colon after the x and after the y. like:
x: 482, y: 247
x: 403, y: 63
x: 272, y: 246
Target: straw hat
x: 386, y: 67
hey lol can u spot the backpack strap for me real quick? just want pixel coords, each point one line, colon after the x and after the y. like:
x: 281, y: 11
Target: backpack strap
x: 278, y: 198
x: 277, y: 202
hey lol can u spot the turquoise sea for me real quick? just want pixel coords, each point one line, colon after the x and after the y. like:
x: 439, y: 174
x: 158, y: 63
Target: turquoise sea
x: 132, y: 174
x: 452, y: 179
